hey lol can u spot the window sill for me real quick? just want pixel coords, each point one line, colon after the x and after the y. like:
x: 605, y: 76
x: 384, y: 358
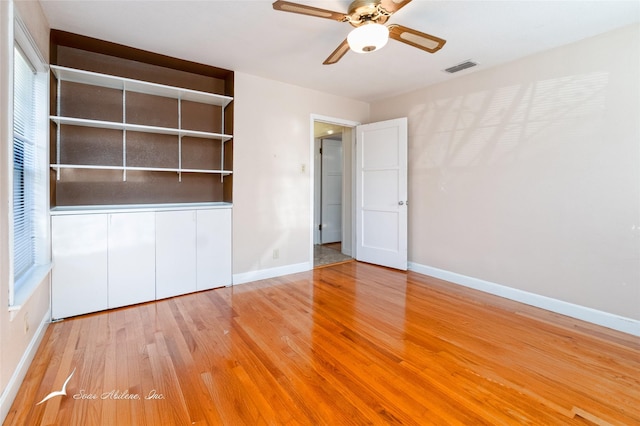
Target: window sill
x: 28, y: 285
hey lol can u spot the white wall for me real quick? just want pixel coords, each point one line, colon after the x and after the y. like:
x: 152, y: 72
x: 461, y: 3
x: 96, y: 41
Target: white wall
x: 271, y: 194
x: 18, y: 343
x: 527, y: 175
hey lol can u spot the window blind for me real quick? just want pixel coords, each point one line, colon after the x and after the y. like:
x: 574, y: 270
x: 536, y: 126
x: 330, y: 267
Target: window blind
x: 24, y: 165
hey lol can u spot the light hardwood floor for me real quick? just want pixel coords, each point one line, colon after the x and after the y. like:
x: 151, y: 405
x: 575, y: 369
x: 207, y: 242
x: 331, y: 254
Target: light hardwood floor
x: 343, y: 345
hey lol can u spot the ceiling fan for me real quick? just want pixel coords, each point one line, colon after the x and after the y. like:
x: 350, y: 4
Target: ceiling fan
x: 367, y: 16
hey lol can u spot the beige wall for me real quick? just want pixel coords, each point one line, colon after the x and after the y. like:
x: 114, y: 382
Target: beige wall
x: 271, y: 193
x: 527, y: 175
x: 32, y: 15
x: 16, y: 340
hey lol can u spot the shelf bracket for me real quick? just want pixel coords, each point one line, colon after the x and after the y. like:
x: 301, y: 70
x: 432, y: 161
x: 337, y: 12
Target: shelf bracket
x: 124, y: 132
x: 180, y: 139
x: 58, y: 112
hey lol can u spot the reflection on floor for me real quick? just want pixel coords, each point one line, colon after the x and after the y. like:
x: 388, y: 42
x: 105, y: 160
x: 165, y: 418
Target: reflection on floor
x: 328, y: 254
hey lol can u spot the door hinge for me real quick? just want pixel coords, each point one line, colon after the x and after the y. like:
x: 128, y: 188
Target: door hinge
x: 320, y: 227
x: 320, y: 150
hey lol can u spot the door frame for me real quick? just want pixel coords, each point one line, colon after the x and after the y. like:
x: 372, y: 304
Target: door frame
x: 351, y: 177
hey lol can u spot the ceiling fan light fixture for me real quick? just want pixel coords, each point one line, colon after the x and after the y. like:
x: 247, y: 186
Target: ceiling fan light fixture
x: 370, y: 34
x: 368, y: 37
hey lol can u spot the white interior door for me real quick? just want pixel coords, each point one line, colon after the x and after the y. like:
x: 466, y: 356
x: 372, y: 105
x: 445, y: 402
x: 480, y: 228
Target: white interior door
x: 317, y: 190
x: 381, y: 193
x: 331, y: 231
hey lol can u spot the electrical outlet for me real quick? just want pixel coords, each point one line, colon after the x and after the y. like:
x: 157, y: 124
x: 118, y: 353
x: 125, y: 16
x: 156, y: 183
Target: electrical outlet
x: 276, y: 254
x: 303, y: 168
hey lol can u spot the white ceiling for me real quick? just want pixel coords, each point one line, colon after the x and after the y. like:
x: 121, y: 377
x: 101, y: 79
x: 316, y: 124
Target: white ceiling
x: 250, y: 37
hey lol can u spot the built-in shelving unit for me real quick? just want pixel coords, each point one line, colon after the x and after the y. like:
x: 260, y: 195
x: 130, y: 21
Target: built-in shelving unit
x: 134, y: 127
x: 126, y: 85
x: 141, y: 160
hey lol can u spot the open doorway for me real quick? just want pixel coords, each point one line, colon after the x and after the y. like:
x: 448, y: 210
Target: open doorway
x: 378, y: 210
x: 332, y: 192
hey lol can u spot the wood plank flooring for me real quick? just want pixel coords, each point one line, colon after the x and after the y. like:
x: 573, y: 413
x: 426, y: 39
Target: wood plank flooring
x: 344, y: 345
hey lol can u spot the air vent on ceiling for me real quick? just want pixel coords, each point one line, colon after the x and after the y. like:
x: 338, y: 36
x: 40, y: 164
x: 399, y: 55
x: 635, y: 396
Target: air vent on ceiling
x: 460, y: 67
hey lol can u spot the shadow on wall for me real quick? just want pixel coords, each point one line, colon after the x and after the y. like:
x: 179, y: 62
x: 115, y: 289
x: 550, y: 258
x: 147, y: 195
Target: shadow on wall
x: 531, y: 185
x: 500, y: 126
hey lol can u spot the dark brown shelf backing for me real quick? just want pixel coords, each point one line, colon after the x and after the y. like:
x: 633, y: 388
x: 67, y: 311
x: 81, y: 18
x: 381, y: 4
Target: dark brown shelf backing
x: 79, y: 187
x: 76, y: 98
x: 151, y: 110
x: 152, y: 150
x: 81, y: 52
x: 202, y: 117
x: 92, y: 146
x: 200, y: 153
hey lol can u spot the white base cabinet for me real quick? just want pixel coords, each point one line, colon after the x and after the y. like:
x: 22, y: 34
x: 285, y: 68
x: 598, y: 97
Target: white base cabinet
x: 213, y: 243
x: 108, y: 259
x: 79, y: 277
x: 175, y: 253
x: 132, y: 258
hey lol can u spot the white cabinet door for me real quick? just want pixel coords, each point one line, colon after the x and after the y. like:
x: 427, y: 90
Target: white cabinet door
x: 213, y: 248
x: 175, y: 253
x: 79, y: 277
x: 132, y: 258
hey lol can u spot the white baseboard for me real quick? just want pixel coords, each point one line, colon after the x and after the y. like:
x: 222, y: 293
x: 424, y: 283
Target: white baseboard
x: 11, y: 391
x: 263, y: 274
x: 605, y: 319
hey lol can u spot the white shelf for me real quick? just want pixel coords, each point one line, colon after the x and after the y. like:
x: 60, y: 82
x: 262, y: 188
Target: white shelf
x: 143, y: 169
x: 84, y: 166
x: 83, y: 122
x: 129, y: 208
x: 121, y: 83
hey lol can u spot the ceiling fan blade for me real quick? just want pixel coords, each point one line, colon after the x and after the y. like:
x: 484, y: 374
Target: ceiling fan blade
x: 287, y: 6
x: 392, y: 6
x: 337, y: 54
x: 416, y: 38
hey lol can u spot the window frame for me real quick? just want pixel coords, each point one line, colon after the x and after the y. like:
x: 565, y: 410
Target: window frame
x: 20, y: 290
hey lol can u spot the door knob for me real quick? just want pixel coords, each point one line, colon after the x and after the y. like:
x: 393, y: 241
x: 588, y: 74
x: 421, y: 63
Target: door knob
x: 400, y: 203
